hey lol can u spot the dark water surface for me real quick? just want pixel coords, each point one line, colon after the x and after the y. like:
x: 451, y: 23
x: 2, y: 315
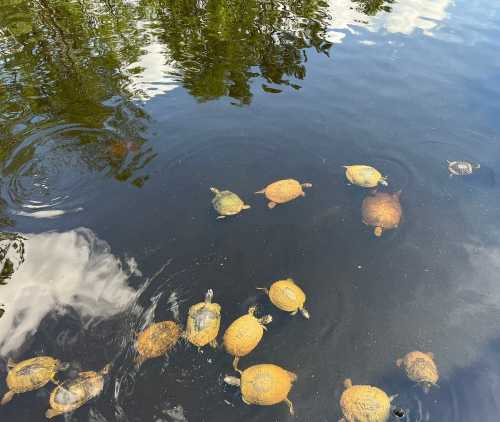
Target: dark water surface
x: 117, y: 116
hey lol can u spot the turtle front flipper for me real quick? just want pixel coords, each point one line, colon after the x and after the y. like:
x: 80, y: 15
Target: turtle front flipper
x: 7, y: 397
x: 290, y: 406
x: 260, y: 192
x: 235, y: 364
x: 213, y: 343
x: 245, y: 207
x: 271, y: 205
x: 52, y: 413
x: 220, y: 217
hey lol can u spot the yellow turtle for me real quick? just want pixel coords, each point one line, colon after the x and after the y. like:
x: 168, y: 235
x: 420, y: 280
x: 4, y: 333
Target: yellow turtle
x: 203, y: 322
x: 364, y: 403
x: 382, y: 210
x: 421, y: 368
x: 265, y: 384
x: 283, y: 191
x: 244, y: 334
x: 74, y: 393
x: 156, y: 340
x: 31, y: 374
x: 287, y: 296
x: 364, y: 176
x: 227, y: 203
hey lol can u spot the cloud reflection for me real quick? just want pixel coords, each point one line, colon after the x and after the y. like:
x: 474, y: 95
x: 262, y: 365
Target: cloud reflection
x: 71, y: 269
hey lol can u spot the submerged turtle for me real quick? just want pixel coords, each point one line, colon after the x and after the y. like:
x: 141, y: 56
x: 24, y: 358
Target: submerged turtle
x: 227, y: 203
x: 364, y: 176
x: 265, y: 385
x: 461, y: 168
x: 74, y: 393
x: 244, y: 334
x: 382, y: 210
x: 203, y: 322
x: 156, y: 340
x: 364, y: 403
x: 287, y: 296
x: 31, y: 374
x: 283, y: 191
x: 421, y: 368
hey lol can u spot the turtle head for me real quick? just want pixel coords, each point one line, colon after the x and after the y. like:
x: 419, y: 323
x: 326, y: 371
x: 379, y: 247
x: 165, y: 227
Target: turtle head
x: 383, y: 182
x: 232, y: 381
x: 426, y: 386
x: 62, y: 366
x: 266, y: 319
x: 106, y: 369
x: 209, y: 296
x: 347, y: 383
x: 476, y: 166
x: 252, y: 310
x: 214, y: 190
x: 305, y: 313
x: 378, y: 231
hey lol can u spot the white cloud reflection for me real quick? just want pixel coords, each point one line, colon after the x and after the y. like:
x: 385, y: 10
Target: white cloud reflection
x: 71, y: 269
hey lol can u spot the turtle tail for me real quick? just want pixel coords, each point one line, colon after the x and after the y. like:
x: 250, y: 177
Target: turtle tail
x: 7, y: 397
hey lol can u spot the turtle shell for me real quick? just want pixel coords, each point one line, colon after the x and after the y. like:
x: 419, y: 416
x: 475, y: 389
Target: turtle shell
x: 382, y: 210
x: 284, y: 191
x: 157, y: 339
x: 32, y: 374
x: 227, y: 203
x: 74, y: 393
x: 365, y: 403
x: 420, y: 367
x: 364, y: 176
x: 266, y: 384
x: 286, y: 295
x: 203, y: 323
x: 243, y: 335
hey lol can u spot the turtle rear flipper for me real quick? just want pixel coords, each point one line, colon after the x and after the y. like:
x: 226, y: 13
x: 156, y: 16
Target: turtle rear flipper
x: 290, y: 406
x: 271, y: 205
x: 7, y: 397
x: 52, y: 413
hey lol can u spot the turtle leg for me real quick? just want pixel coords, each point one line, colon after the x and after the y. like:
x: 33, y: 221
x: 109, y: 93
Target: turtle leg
x: 52, y: 413
x: 290, y: 406
x: 271, y: 205
x: 244, y: 401
x: 235, y: 363
x: 260, y: 192
x: 264, y: 289
x: 342, y: 420
x: 213, y: 343
x: 11, y: 363
x: 307, y: 185
x: 54, y: 380
x: 220, y: 217
x: 294, y: 312
x: 7, y: 397
x: 378, y: 231
x: 245, y: 207
x: 399, y: 362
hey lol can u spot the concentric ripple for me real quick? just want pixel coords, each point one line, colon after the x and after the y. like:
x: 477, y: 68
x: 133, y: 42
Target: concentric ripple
x: 53, y: 172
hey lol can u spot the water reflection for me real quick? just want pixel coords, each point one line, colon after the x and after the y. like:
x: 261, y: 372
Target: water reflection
x: 58, y: 271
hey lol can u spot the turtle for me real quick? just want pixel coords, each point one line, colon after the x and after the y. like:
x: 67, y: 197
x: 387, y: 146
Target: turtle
x: 382, y: 210
x: 227, y: 203
x: 31, y: 374
x: 156, y: 340
x: 287, y: 296
x: 421, y: 368
x: 283, y: 191
x: 461, y: 168
x: 364, y: 176
x: 364, y: 403
x: 74, y: 393
x: 203, y: 322
x: 244, y: 334
x: 264, y: 384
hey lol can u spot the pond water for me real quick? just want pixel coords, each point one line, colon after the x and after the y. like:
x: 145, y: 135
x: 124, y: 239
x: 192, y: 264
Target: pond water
x: 116, y: 117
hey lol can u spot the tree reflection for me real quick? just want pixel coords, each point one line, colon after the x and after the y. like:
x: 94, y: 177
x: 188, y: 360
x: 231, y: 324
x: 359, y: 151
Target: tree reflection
x: 372, y: 7
x: 220, y: 45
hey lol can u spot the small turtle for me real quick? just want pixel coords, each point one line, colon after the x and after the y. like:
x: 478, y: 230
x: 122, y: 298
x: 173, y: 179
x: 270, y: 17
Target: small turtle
x: 74, y: 393
x: 203, y: 322
x: 244, y: 334
x: 421, y: 368
x: 283, y: 191
x: 265, y: 385
x: 364, y: 403
x: 31, y: 374
x: 156, y: 340
x: 382, y: 210
x: 461, y: 168
x: 364, y: 176
x: 287, y: 296
x: 227, y: 203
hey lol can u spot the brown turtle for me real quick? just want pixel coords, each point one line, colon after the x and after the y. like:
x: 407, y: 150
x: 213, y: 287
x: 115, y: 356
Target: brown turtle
x: 31, y: 374
x: 156, y: 340
x: 421, y: 368
x: 364, y: 403
x: 283, y: 191
x: 382, y: 210
x: 74, y: 393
